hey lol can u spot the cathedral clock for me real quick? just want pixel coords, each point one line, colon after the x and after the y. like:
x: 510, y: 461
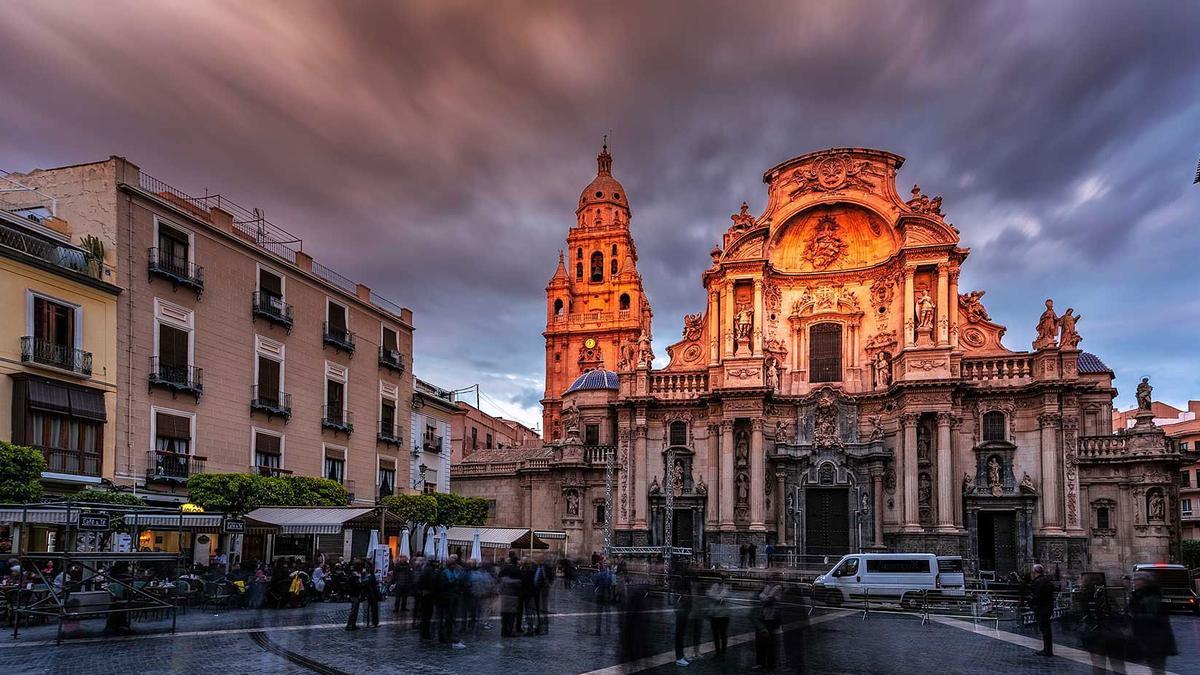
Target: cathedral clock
x: 590, y: 343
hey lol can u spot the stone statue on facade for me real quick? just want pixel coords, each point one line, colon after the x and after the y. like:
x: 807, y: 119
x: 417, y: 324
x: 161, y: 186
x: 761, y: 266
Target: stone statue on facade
x: 876, y: 428
x: 742, y: 220
x: 923, y: 451
x: 968, y: 482
x: 1068, y: 336
x: 677, y: 478
x: 645, y: 351
x: 925, y: 490
x: 741, y: 448
x: 570, y: 421
x: 743, y: 324
x: 1143, y: 394
x: 693, y: 326
x: 774, y: 376
x: 743, y: 489
x: 825, y: 427
x: 883, y: 369
x: 701, y: 487
x: 572, y: 503
x: 994, y: 480
x: 1027, y: 484
x: 1047, y: 328
x: 973, y: 309
x: 1157, y: 507
x: 781, y: 432
x: 654, y: 486
x: 925, y: 309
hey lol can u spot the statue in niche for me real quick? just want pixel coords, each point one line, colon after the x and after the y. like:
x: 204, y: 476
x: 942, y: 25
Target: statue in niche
x: 825, y: 428
x: 923, y: 450
x: 1027, y: 484
x: 774, y: 376
x: 570, y: 421
x: 1068, y: 337
x: 1143, y: 394
x: 741, y: 448
x: 925, y: 308
x: 654, y: 487
x: 701, y: 487
x: 1156, y: 507
x: 743, y: 488
x: 924, y: 490
x: 677, y: 478
x: 864, y: 503
x: 743, y: 324
x: 781, y: 432
x: 1047, y: 328
x: 968, y: 483
x: 883, y: 369
x: 572, y: 503
x: 994, y: 480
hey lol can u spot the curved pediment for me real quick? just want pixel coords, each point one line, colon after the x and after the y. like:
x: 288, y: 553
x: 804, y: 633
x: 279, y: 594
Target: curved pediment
x: 832, y: 237
x: 748, y: 247
x: 923, y: 231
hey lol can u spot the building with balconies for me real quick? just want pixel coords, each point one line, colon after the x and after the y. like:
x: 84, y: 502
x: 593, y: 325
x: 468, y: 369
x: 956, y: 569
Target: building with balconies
x: 233, y: 350
x: 433, y: 409
x: 58, y: 342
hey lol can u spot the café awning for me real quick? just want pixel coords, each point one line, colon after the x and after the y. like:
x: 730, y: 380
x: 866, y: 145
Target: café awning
x: 496, y: 537
x: 38, y: 516
x: 173, y: 521
x: 322, y: 520
x: 550, y: 534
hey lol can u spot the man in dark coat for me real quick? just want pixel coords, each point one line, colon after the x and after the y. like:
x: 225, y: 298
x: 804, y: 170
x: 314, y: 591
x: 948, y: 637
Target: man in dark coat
x: 402, y: 578
x: 1152, y: 636
x: 1042, y: 592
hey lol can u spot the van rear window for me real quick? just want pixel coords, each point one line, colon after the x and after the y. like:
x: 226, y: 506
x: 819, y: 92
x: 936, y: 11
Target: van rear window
x: 950, y: 564
x: 899, y: 565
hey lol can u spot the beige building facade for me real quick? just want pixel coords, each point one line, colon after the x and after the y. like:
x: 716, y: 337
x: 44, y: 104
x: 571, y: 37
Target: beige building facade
x: 473, y: 430
x: 235, y: 350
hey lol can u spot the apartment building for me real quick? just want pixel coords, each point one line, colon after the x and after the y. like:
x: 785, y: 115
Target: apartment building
x: 433, y: 412
x: 472, y: 429
x: 236, y: 351
x: 58, y: 342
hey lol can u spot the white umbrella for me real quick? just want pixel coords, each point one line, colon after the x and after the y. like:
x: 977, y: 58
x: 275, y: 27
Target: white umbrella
x: 374, y: 541
x: 405, y: 547
x: 476, y: 554
x: 443, y: 543
x: 430, y: 551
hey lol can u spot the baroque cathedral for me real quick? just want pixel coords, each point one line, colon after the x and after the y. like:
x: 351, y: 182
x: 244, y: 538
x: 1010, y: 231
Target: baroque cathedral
x: 838, y: 392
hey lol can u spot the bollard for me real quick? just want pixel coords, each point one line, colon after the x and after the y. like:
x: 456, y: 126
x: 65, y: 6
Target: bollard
x: 866, y: 602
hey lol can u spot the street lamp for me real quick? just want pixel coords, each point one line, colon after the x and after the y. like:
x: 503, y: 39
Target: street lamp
x: 419, y: 482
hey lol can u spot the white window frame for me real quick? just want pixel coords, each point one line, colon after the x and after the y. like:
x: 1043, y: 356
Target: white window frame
x: 345, y: 452
x: 390, y: 392
x: 345, y: 310
x: 258, y: 270
x: 273, y: 350
x: 384, y: 326
x: 338, y: 373
x: 379, y: 459
x: 162, y: 309
x: 31, y: 295
x: 254, y: 432
x: 175, y: 226
x: 155, y: 409
x: 1185, y: 506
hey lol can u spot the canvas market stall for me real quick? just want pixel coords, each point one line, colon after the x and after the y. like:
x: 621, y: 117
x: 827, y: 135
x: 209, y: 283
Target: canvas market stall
x: 304, y: 532
x: 495, y: 542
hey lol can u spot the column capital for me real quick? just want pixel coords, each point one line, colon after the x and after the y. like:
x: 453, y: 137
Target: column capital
x: 945, y: 419
x: 758, y: 424
x: 910, y: 419
x: 726, y: 426
x: 1049, y: 419
x: 910, y: 271
x: 640, y: 429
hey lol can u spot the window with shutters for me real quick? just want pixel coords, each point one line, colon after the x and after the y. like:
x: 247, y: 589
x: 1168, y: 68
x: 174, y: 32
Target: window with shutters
x: 271, y: 286
x: 597, y: 266
x: 994, y: 426
x: 336, y: 315
x: 174, y: 248
x: 270, y: 377
x: 53, y: 323
x: 335, y: 468
x: 825, y: 353
x: 335, y: 400
x: 268, y: 452
x: 390, y: 341
x: 387, y: 418
x: 172, y: 433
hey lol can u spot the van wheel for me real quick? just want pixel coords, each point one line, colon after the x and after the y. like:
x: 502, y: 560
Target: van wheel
x: 833, y: 597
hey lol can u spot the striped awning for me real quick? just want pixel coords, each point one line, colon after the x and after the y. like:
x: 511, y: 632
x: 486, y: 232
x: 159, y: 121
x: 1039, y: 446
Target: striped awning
x: 495, y: 537
x: 172, y: 521
x: 39, y: 516
x: 550, y: 534
x: 324, y: 520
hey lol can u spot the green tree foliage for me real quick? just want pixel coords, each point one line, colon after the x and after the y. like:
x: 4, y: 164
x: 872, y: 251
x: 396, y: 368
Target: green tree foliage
x: 1191, y: 553
x: 413, y: 508
x: 92, y: 496
x: 240, y: 493
x: 455, y: 509
x: 21, y: 470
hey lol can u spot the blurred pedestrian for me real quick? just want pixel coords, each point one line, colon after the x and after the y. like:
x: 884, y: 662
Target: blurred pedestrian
x: 510, y: 592
x: 752, y: 550
x: 766, y: 625
x: 1153, y: 640
x: 602, y: 593
x: 371, y: 594
x: 450, y: 585
x: 423, y: 587
x: 768, y: 551
x: 743, y: 556
x: 543, y: 582
x: 529, y: 598
x: 1042, y: 600
x: 402, y: 579
x: 355, y: 591
x: 718, y: 613
x: 1101, y: 630
x: 681, y: 595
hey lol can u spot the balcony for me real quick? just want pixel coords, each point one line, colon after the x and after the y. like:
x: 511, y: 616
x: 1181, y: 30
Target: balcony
x: 337, y: 420
x: 64, y: 257
x: 349, y: 485
x: 177, y: 379
x: 432, y: 444
x: 172, y: 467
x: 272, y: 309
x: 271, y: 402
x: 339, y: 338
x: 389, y: 434
x: 40, y: 352
x: 391, y: 360
x: 77, y: 462
x: 178, y: 272
x: 269, y: 471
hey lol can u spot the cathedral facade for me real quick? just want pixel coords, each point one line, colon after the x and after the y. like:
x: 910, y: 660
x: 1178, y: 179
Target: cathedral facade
x: 837, y: 392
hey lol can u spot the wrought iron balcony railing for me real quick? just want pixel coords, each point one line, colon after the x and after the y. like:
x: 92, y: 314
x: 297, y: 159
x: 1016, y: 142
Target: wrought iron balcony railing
x: 389, y: 433
x: 65, y: 460
x: 68, y: 258
x: 339, y: 338
x: 272, y: 402
x: 172, y: 467
x: 178, y: 379
x: 178, y: 272
x: 270, y: 471
x: 41, y: 352
x: 337, y: 419
x: 272, y: 308
x: 391, y: 359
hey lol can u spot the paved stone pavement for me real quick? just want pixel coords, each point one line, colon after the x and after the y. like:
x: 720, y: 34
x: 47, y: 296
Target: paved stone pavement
x: 312, y: 640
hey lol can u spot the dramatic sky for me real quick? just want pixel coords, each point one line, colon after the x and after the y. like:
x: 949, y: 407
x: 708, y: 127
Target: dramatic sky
x: 435, y: 150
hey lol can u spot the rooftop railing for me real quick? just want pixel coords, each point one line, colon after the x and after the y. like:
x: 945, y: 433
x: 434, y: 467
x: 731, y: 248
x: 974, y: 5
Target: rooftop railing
x: 65, y: 257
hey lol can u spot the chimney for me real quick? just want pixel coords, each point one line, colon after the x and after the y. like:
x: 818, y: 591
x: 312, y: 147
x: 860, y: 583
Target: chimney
x: 221, y: 218
x: 304, y: 261
x: 363, y: 292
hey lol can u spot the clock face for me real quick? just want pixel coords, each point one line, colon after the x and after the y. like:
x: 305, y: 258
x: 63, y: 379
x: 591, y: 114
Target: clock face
x: 590, y: 343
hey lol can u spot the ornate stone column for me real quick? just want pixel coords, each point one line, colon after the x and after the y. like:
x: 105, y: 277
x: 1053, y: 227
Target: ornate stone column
x: 943, y: 308
x: 955, y: 425
x: 758, y: 483
x: 1051, y: 518
x: 912, y: 520
x: 1070, y: 426
x: 954, y: 305
x: 780, y: 510
x: 727, y: 486
x: 714, y: 325
x: 640, y: 478
x: 945, y: 482
x: 713, y: 473
x: 910, y: 322
x: 756, y: 331
x: 877, y: 505
x: 727, y: 320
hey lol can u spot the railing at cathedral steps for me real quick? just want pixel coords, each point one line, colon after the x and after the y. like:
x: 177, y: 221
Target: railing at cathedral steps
x: 677, y: 385
x: 1095, y: 447
x: 1001, y: 368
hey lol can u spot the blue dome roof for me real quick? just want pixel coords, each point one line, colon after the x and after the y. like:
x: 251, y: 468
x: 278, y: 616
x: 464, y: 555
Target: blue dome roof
x: 593, y: 380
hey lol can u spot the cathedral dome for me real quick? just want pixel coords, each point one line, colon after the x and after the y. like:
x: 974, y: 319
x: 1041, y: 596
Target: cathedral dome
x: 604, y: 189
x: 594, y: 380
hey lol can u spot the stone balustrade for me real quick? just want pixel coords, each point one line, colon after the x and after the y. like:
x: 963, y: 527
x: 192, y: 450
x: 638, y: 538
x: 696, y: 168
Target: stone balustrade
x: 1014, y: 369
x: 597, y: 454
x: 1099, y: 447
x: 678, y: 385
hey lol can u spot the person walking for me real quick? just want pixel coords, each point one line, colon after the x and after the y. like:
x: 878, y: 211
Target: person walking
x: 743, y: 556
x: 510, y: 591
x: 543, y: 582
x: 355, y: 591
x: 681, y: 592
x: 423, y: 587
x: 1042, y: 591
x: 766, y: 626
x: 1152, y: 636
x: 451, y: 582
x: 753, y: 551
x: 528, y: 599
x: 1101, y: 630
x: 372, y: 594
x: 718, y: 613
x: 768, y: 551
x: 402, y: 579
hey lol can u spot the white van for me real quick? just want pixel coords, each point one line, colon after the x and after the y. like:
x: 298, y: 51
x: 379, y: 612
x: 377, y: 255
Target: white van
x: 952, y: 575
x: 883, y: 576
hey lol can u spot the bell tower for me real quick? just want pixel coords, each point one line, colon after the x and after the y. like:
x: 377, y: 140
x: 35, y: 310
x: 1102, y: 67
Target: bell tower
x: 595, y: 306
